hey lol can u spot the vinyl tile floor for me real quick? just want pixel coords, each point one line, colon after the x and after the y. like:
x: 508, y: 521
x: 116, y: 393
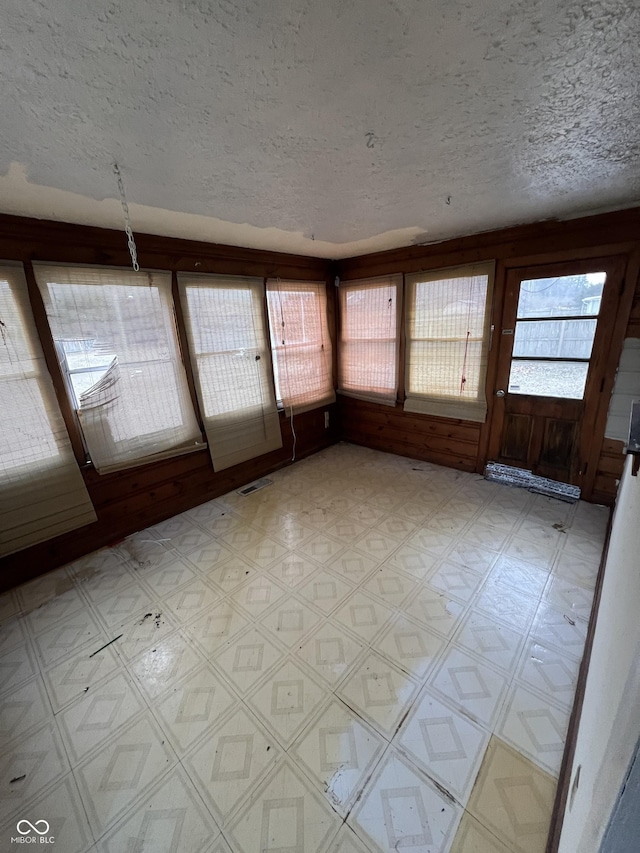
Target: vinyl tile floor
x: 371, y: 654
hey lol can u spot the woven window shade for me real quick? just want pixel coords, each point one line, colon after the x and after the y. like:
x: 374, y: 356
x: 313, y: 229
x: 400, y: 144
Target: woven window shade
x: 370, y: 339
x: 115, y: 332
x: 42, y: 492
x: 448, y: 316
x: 301, y: 346
x: 227, y: 335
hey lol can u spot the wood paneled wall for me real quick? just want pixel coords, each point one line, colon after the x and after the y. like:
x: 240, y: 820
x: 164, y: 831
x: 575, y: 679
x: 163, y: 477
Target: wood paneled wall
x: 130, y: 500
x: 127, y: 501
x: 460, y: 444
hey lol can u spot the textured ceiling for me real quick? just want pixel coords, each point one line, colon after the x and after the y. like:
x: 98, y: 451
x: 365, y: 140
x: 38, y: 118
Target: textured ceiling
x: 328, y: 127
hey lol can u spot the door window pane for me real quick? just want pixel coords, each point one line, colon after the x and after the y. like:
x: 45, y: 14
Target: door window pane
x: 555, y: 338
x: 549, y: 378
x: 561, y: 296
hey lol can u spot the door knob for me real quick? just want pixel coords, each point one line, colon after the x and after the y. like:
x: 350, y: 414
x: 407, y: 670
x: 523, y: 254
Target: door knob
x: 500, y: 393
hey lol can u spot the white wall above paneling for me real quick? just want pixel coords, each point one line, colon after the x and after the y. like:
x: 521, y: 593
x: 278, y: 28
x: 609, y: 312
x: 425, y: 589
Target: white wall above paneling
x: 625, y: 391
x: 328, y: 128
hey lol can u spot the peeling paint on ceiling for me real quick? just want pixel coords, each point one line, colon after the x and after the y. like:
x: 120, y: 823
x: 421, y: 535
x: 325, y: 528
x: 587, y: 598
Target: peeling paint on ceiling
x: 328, y: 128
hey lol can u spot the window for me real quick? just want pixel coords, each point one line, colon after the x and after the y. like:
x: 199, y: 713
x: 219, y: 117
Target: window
x: 555, y: 328
x: 116, y: 336
x: 300, y: 342
x: 42, y: 493
x: 369, y: 339
x: 227, y: 335
x: 448, y: 331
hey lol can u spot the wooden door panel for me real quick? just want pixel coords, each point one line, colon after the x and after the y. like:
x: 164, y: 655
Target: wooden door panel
x: 515, y: 439
x: 559, y: 451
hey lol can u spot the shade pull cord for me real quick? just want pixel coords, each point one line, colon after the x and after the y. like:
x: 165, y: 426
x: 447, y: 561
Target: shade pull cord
x: 127, y: 221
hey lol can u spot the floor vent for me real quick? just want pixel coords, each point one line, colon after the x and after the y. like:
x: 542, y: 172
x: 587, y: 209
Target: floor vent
x: 526, y: 480
x: 255, y: 486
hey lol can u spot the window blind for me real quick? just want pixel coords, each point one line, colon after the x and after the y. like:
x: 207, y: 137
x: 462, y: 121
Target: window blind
x: 226, y: 327
x: 116, y: 337
x: 448, y: 318
x: 42, y: 493
x: 300, y: 343
x: 370, y: 339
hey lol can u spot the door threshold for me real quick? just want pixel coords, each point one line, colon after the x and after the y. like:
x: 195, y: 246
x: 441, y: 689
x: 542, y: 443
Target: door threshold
x: 521, y: 478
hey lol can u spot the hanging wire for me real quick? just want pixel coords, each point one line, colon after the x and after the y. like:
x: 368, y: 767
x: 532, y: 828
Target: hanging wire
x: 127, y: 222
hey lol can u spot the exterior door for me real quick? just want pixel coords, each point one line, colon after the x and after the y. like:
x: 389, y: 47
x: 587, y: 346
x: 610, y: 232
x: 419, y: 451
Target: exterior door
x: 553, y: 342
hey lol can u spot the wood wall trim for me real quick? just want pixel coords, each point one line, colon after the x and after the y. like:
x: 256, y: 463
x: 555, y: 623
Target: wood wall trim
x: 564, y: 777
x: 523, y: 241
x: 25, y: 239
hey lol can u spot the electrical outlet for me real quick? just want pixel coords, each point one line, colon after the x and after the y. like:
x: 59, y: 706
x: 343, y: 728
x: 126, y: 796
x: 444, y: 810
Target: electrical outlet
x: 326, y: 420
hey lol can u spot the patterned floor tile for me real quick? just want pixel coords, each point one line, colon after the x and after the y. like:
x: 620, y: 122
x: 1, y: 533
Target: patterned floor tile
x: 192, y: 707
x: 455, y: 580
x: 556, y: 628
x: 535, y: 727
x: 142, y: 633
x: 321, y: 548
x: 401, y: 809
x: 166, y: 579
x: 292, y: 570
x: 229, y: 762
x: 390, y: 586
x: 67, y: 637
x: 325, y: 590
x: 291, y: 620
x: 35, y: 761
x: 94, y: 718
x: 364, y: 615
x: 475, y: 688
x: 17, y: 666
x: 157, y: 669
x: 258, y: 595
x: 192, y: 599
x: 410, y: 646
x: 346, y: 841
x: 62, y: 809
x: 436, y: 610
x: 216, y: 626
x: 524, y: 577
x: 213, y: 555
x: 572, y: 599
x: 353, y: 565
x: 513, y: 799
x: 505, y: 603
x: 232, y: 574
x: 124, y: 605
x: 472, y: 556
x: 549, y: 672
x: 124, y: 769
x: 55, y: 609
x: 432, y: 540
x: 12, y: 633
x: 492, y: 641
x: 284, y: 813
x: 444, y: 743
x: 247, y: 658
x: 418, y: 564
x: 285, y: 702
x: 345, y: 530
x: 330, y: 652
x: 22, y: 709
x: 379, y: 546
x: 473, y: 837
x: 576, y: 569
x: 380, y: 691
x: 170, y: 818
x: 338, y: 750
x: 68, y: 680
x: 539, y: 554
x: 264, y: 553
